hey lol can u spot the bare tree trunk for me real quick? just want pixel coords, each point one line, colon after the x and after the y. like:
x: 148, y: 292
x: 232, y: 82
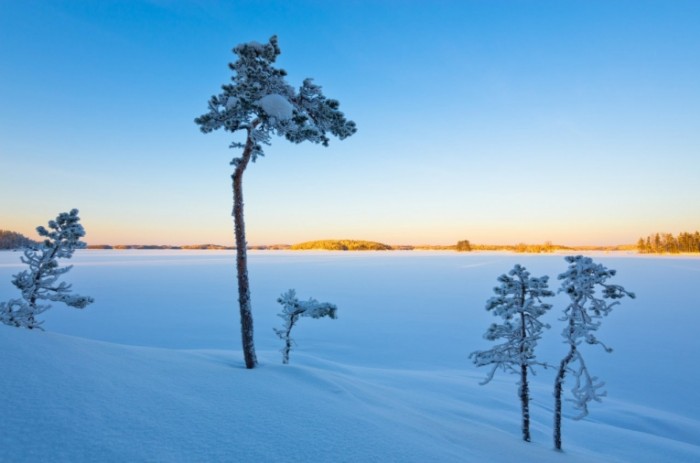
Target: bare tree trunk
x: 288, y: 339
x: 242, y: 256
x: 525, y: 402
x: 558, y: 387
x: 524, y: 388
x: 31, y: 323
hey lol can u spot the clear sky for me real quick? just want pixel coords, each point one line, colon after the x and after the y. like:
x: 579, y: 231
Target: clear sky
x: 493, y: 121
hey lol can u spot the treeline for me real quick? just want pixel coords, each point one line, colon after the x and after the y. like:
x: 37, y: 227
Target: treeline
x: 14, y: 240
x: 666, y: 243
x: 215, y: 247
x: 658, y: 243
x: 342, y: 245
x: 153, y: 246
x: 132, y: 246
x: 461, y: 246
x: 520, y: 247
x: 545, y: 247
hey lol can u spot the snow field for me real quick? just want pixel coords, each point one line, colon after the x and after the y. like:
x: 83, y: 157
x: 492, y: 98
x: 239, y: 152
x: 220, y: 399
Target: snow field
x: 153, y: 371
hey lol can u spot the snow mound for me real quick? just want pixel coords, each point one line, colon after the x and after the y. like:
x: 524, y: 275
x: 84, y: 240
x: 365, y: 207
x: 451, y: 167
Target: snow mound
x: 257, y: 46
x: 277, y: 106
x: 231, y: 102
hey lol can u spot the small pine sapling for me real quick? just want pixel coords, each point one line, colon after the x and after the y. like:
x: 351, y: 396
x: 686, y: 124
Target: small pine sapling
x: 40, y: 282
x: 260, y: 103
x: 292, y: 309
x: 518, y: 302
x: 582, y: 315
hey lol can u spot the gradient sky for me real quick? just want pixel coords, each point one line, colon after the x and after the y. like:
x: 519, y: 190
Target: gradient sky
x: 493, y: 121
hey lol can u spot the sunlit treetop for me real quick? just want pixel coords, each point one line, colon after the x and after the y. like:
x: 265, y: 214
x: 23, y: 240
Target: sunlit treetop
x: 260, y: 101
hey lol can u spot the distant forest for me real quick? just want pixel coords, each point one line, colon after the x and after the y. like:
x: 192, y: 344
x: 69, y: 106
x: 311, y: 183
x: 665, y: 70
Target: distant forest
x: 461, y: 246
x: 658, y: 243
x: 342, y: 245
x: 545, y: 247
x: 155, y: 246
x: 216, y: 247
x: 13, y: 240
x: 666, y: 243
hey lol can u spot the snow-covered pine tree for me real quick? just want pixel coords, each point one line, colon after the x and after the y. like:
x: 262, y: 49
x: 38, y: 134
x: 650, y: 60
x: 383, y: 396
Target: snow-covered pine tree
x: 259, y: 102
x: 40, y: 282
x: 580, y: 282
x: 292, y: 309
x: 518, y: 302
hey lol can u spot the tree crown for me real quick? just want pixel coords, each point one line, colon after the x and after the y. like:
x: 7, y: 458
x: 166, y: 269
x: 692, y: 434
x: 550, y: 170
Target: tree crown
x: 40, y: 282
x: 261, y: 102
x: 580, y: 282
x: 518, y: 302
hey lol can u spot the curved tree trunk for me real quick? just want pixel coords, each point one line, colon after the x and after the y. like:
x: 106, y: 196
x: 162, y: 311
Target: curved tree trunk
x: 31, y: 321
x: 558, y: 389
x: 559, y: 381
x: 242, y: 255
x: 288, y: 338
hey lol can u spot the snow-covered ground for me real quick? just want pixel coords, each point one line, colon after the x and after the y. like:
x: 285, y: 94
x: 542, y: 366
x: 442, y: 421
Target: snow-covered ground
x: 152, y: 371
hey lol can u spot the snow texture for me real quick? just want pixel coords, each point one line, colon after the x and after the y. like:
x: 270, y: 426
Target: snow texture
x: 231, y: 102
x: 277, y: 106
x: 141, y: 379
x: 257, y: 46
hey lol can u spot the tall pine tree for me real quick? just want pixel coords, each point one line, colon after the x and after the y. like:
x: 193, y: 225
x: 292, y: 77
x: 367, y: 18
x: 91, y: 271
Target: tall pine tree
x: 259, y: 102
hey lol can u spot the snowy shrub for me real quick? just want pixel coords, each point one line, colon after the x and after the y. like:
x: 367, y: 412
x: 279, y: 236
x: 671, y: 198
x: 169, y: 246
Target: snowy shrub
x: 518, y: 302
x: 292, y: 309
x: 582, y: 316
x: 259, y: 102
x: 40, y: 282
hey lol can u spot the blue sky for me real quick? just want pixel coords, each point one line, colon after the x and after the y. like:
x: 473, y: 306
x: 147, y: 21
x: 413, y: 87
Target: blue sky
x: 493, y: 121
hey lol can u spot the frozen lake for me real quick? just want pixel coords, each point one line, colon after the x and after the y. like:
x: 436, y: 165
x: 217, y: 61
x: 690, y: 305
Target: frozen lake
x: 411, y: 315
x: 396, y: 309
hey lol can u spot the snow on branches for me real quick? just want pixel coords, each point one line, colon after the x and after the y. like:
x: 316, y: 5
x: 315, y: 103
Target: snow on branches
x: 518, y: 302
x: 586, y: 308
x: 40, y: 282
x: 292, y: 309
x: 277, y: 106
x: 261, y: 102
